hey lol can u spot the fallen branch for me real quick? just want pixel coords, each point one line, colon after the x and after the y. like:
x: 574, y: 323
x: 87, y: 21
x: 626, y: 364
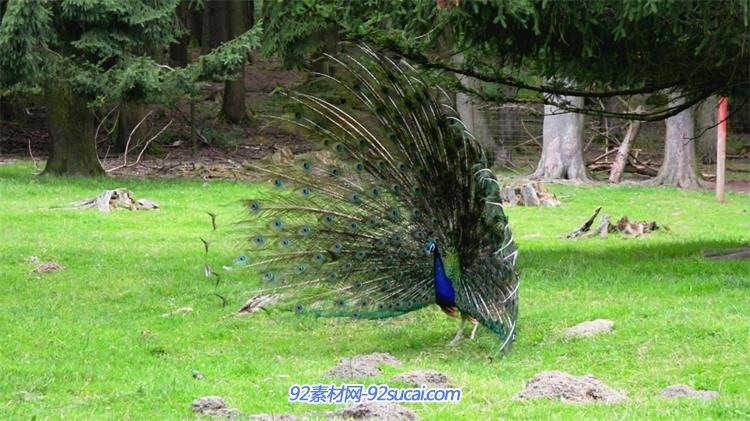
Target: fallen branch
x: 586, y: 225
x: 618, y: 166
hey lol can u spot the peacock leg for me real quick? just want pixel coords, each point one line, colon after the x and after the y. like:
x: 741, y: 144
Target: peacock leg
x: 474, y: 329
x: 459, y: 334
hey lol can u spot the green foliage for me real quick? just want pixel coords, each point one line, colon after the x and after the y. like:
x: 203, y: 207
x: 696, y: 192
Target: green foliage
x: 698, y: 45
x: 83, y: 43
x: 296, y: 27
x: 105, y: 50
x: 607, y: 47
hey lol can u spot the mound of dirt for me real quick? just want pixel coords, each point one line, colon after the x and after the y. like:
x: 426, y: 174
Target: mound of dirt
x: 569, y: 388
x: 423, y: 377
x: 49, y: 267
x: 685, y: 391
x: 589, y: 328
x: 378, y: 411
x: 213, y: 406
x: 361, y: 366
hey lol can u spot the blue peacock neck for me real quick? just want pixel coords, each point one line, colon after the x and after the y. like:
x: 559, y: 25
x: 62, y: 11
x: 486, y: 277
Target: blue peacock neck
x: 445, y: 295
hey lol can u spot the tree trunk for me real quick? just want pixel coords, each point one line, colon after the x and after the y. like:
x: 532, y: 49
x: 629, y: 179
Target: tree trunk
x: 328, y: 39
x: 71, y: 126
x: 679, y: 168
x: 562, y: 145
x: 705, y: 117
x: 233, y: 105
x: 621, y: 159
x: 214, y: 30
x: 476, y: 120
x: 131, y: 113
x: 178, y: 51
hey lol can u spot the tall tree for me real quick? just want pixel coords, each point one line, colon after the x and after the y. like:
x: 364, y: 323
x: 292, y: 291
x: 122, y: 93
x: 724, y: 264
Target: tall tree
x: 679, y: 168
x: 233, y: 105
x: 562, y: 143
x: 705, y: 129
x: 78, y: 53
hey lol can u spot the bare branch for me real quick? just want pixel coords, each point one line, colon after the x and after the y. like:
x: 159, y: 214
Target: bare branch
x: 145, y: 146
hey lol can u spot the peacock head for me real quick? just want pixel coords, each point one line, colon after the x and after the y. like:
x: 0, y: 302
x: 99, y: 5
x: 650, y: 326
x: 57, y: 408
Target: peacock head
x: 448, y: 258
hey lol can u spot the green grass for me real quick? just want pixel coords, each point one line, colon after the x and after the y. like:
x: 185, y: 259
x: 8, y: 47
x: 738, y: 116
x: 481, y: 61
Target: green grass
x: 91, y: 343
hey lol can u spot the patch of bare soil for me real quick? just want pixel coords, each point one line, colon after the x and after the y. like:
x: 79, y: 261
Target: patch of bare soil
x: 589, y: 328
x: 569, y: 388
x: 378, y: 411
x: 423, y: 377
x: 49, y: 267
x: 214, y: 406
x: 361, y: 366
x: 685, y: 391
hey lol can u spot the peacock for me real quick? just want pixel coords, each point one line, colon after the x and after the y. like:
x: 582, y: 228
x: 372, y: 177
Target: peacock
x: 399, y: 211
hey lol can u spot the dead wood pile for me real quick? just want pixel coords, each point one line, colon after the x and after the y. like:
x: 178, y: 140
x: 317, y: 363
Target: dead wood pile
x: 624, y: 226
x: 120, y: 198
x: 529, y: 194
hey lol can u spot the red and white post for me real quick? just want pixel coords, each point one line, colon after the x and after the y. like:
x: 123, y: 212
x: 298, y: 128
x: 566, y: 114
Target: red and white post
x: 721, y: 148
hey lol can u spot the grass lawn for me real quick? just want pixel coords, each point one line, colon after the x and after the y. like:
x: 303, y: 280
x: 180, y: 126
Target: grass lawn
x: 91, y: 342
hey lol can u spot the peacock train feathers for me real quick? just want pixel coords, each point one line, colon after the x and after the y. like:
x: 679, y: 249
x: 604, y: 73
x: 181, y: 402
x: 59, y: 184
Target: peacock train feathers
x: 402, y: 212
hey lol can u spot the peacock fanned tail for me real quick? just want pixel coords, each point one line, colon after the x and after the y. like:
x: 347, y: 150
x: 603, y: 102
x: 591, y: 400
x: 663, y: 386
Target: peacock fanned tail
x: 345, y: 233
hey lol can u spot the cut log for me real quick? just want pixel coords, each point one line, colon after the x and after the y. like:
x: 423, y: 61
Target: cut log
x: 508, y: 196
x: 529, y: 194
x: 120, y: 198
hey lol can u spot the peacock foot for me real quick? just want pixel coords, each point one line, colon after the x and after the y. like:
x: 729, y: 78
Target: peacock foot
x: 474, y: 329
